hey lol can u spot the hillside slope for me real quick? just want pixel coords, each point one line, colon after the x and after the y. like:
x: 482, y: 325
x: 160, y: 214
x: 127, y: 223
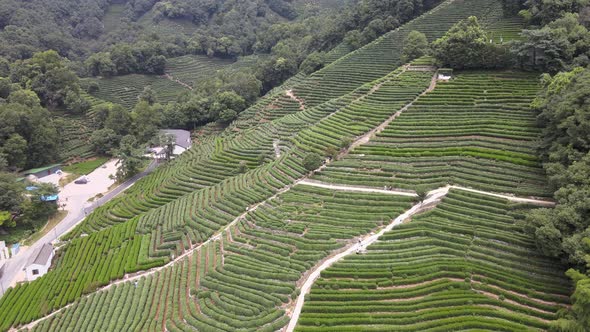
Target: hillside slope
x: 221, y: 237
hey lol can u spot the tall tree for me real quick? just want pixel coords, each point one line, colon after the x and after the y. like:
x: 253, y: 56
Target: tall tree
x: 129, y: 155
x: 415, y: 46
x: 466, y: 45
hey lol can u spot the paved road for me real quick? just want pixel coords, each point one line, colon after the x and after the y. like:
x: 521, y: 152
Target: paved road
x: 78, y: 208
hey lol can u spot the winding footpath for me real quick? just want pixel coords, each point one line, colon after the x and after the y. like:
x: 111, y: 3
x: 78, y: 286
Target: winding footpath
x: 364, y: 139
x: 176, y: 80
x: 277, y: 148
x: 300, y: 101
x: 433, y: 197
x: 401, y: 192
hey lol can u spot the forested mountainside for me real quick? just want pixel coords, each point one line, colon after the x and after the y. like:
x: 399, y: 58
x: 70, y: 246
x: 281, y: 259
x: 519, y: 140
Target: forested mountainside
x: 363, y: 165
x: 107, y: 39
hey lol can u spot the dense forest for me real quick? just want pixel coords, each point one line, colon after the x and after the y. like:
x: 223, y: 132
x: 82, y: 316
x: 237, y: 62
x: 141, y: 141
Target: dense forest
x: 50, y: 64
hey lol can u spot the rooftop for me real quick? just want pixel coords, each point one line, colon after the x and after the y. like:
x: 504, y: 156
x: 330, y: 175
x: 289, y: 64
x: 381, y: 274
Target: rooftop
x: 42, y: 256
x: 40, y: 169
x: 183, y: 137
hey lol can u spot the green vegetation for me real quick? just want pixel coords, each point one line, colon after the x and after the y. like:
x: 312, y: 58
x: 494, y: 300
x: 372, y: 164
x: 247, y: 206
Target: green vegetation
x: 125, y: 90
x: 562, y: 232
x: 463, y: 265
x: 229, y: 208
x: 476, y: 130
x: 415, y: 46
x: 186, y: 201
x: 28, y: 135
x: 252, y: 269
x: 190, y: 69
x: 466, y: 46
x: 74, y: 134
x: 559, y: 45
x: 85, y: 167
x: 171, y: 189
x: 23, y: 212
x: 312, y: 161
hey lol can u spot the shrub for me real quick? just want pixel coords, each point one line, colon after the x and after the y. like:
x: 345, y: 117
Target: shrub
x: 312, y: 161
x: 415, y: 46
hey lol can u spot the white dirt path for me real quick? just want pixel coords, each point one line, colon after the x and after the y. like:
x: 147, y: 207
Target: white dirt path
x: 364, y: 139
x: 319, y: 184
x: 292, y: 95
x: 433, y: 197
x: 277, y: 148
x: 400, y: 192
x: 173, y: 79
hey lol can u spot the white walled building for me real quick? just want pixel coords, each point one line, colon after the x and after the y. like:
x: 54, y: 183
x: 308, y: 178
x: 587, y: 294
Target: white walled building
x: 39, y: 262
x: 183, y: 139
x: 182, y: 142
x: 4, y: 252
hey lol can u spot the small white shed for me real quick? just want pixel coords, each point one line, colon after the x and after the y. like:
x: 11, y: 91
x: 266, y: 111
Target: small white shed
x: 182, y: 142
x: 182, y: 139
x: 39, y: 262
x: 444, y: 77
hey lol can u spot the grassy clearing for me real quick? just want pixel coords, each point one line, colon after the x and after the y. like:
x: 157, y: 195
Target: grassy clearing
x: 85, y: 167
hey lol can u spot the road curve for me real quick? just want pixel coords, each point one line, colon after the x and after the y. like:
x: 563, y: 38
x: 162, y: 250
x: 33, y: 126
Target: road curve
x: 75, y: 215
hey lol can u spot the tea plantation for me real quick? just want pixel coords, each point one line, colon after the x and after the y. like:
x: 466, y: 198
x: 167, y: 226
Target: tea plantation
x: 476, y: 131
x: 463, y: 265
x: 223, y: 237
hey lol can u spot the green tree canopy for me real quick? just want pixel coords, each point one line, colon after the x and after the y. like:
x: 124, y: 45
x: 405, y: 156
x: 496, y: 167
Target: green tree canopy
x: 564, y: 231
x: 312, y: 161
x: 559, y: 45
x: 466, y: 45
x: 104, y: 141
x: 129, y: 154
x: 415, y: 46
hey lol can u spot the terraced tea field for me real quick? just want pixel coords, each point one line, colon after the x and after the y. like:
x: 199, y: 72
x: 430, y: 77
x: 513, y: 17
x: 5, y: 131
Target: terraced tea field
x: 75, y: 134
x: 476, y: 131
x: 463, y: 265
x: 382, y: 56
x: 189, y: 69
x: 173, y: 213
x: 113, y: 16
x: 125, y: 89
x: 166, y: 27
x: 182, y: 72
x: 222, y: 237
x: 245, y: 278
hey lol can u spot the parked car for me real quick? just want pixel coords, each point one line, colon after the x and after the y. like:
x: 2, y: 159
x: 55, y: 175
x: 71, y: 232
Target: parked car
x: 81, y: 180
